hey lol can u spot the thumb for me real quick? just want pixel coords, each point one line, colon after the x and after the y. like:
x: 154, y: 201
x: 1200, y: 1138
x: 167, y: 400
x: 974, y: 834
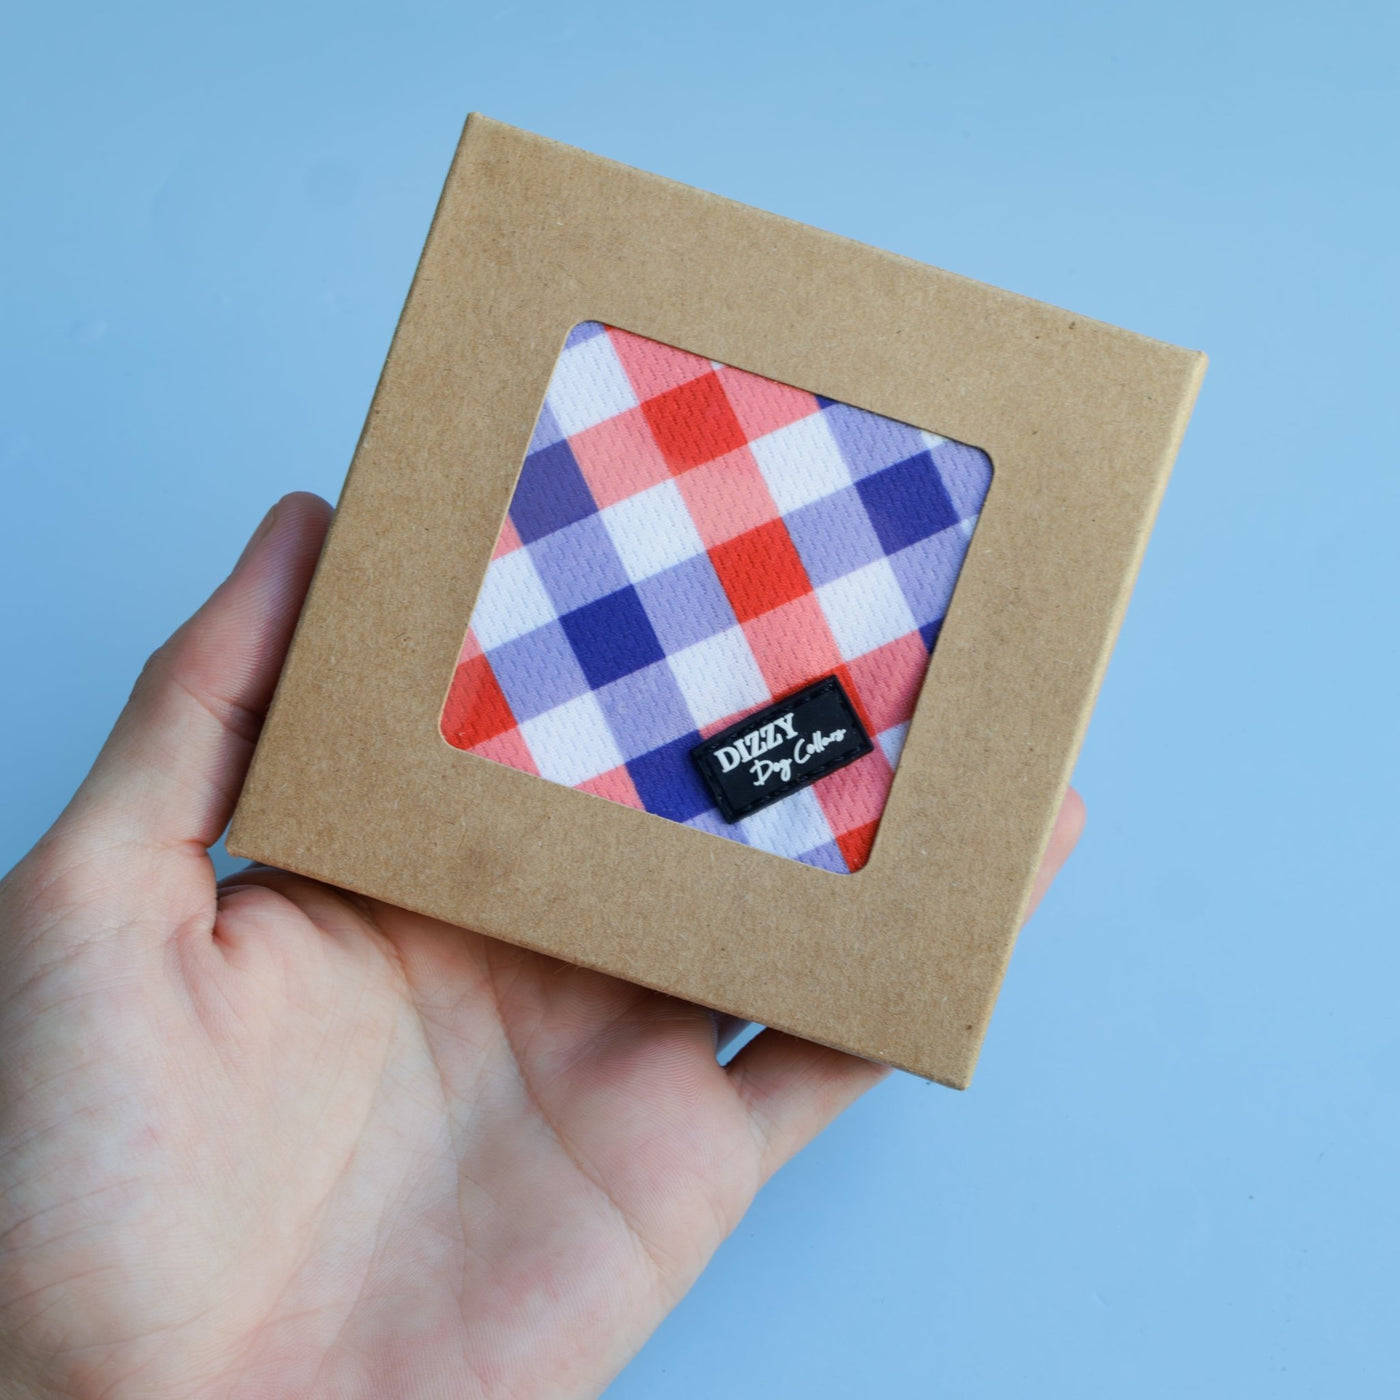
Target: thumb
x: 173, y: 766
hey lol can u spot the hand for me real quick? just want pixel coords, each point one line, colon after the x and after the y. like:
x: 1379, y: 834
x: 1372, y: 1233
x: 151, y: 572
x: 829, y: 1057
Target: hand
x: 272, y: 1140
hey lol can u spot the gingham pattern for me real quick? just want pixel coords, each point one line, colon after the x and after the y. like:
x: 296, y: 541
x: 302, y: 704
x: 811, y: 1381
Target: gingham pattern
x: 687, y: 543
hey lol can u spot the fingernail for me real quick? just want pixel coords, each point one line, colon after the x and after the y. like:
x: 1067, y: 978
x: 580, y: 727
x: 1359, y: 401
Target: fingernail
x: 258, y: 536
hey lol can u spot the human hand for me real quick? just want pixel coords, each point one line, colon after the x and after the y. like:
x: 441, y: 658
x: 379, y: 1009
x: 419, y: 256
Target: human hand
x: 273, y: 1140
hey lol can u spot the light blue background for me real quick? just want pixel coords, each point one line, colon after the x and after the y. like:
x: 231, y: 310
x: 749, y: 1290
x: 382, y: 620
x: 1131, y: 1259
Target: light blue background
x: 1175, y: 1173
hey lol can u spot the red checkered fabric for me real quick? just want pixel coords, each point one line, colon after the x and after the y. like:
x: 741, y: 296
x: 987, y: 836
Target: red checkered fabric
x: 689, y: 542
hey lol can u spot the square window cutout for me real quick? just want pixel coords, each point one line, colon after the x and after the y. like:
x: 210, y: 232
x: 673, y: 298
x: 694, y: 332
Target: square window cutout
x: 865, y: 520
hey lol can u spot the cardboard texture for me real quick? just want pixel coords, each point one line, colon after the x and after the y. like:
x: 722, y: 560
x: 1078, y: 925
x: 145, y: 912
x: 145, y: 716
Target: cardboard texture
x: 353, y: 784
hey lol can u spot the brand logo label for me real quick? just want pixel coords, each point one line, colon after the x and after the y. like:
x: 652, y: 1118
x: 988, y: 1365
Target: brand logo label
x: 782, y: 748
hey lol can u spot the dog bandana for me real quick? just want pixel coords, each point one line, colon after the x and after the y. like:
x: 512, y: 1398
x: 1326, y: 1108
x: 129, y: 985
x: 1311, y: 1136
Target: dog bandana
x: 689, y: 543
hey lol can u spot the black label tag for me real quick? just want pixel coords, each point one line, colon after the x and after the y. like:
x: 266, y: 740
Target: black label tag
x: 781, y: 748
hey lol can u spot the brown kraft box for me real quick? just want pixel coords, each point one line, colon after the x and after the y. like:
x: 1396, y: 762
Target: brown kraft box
x: 353, y: 783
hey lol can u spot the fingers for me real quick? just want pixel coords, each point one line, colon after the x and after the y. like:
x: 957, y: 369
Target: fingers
x: 793, y: 1089
x: 173, y: 766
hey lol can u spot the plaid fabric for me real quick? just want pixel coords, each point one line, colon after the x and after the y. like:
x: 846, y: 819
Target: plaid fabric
x: 687, y: 543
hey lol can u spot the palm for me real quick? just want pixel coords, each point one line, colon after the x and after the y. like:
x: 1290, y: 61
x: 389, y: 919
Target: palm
x: 366, y: 1153
x: 276, y: 1141
x: 525, y: 1142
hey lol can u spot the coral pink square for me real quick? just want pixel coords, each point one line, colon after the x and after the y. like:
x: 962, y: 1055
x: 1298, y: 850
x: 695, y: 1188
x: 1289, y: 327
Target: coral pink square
x: 760, y: 570
x: 727, y: 497
x: 855, y: 795
x: 763, y: 405
x: 508, y: 748
x: 693, y: 423
x: 508, y: 540
x: 617, y: 786
x: 619, y: 457
x: 793, y: 645
x: 887, y: 680
x: 470, y: 647
x: 652, y: 367
x: 476, y: 709
x: 855, y: 845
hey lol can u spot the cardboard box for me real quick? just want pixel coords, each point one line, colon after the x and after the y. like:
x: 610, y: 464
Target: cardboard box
x: 353, y: 782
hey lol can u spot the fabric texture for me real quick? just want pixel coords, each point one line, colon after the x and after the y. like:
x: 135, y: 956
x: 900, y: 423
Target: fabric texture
x: 687, y: 543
